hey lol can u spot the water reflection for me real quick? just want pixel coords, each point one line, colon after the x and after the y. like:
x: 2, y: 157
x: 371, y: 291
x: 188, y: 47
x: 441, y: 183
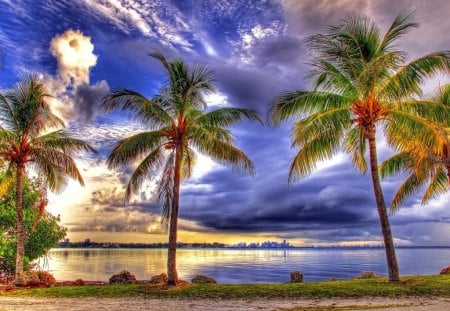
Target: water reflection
x: 240, y: 266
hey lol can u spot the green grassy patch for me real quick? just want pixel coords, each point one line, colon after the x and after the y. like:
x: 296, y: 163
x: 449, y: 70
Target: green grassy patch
x: 424, y: 286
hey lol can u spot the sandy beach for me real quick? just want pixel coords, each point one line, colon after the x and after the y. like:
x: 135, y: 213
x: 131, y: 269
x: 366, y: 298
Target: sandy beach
x: 125, y: 304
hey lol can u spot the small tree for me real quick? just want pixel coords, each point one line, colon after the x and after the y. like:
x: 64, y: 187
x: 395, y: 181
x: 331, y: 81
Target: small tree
x: 42, y: 231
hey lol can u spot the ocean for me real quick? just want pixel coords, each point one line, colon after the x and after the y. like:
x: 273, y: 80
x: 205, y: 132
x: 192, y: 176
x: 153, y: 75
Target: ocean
x: 241, y: 265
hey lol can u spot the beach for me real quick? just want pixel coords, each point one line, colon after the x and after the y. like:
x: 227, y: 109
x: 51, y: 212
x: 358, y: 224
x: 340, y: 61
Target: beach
x: 125, y: 304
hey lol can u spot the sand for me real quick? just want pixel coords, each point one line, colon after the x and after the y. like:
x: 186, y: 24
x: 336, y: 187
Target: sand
x: 127, y: 304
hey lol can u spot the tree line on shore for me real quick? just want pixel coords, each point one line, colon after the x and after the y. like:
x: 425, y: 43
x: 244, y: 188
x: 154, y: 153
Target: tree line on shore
x: 361, y: 85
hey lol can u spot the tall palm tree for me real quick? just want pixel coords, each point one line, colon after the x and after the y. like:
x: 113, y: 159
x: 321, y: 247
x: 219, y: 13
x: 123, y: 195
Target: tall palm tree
x: 179, y: 124
x: 362, y: 84
x: 423, y: 163
x: 28, y: 139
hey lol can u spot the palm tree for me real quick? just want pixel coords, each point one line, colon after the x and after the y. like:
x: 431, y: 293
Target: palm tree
x: 362, y: 83
x: 423, y: 163
x: 28, y: 139
x: 179, y: 124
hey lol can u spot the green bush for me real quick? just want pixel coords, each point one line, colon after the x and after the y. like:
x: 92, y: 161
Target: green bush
x: 39, y: 240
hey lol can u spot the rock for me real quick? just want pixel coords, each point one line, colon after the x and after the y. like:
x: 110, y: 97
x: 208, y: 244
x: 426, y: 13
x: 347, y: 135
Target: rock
x: 124, y: 277
x: 366, y: 275
x: 445, y: 270
x: 201, y: 279
x: 159, y: 279
x: 296, y: 277
x: 46, y: 278
x: 29, y: 278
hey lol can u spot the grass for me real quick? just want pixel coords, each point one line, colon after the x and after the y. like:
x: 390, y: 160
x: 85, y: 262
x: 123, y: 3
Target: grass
x: 419, y: 286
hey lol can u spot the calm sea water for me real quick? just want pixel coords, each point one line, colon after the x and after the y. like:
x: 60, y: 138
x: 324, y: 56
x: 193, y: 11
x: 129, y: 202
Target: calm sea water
x: 240, y: 266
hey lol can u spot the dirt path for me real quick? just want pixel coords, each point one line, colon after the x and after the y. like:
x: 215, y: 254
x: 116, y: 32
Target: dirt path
x: 124, y: 304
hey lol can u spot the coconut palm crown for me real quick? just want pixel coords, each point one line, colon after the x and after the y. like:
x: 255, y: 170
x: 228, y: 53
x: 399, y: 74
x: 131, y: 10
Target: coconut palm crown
x: 421, y: 162
x: 29, y: 139
x: 179, y: 125
x: 362, y: 84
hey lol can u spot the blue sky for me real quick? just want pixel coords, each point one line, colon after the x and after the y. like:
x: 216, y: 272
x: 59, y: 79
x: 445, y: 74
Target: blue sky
x: 83, y: 48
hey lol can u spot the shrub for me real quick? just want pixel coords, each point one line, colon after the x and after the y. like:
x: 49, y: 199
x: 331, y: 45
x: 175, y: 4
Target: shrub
x: 40, y: 236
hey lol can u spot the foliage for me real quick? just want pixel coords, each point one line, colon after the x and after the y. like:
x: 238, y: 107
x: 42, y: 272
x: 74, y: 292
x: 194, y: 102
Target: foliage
x: 45, y: 235
x: 28, y: 136
x: 423, y: 164
x: 361, y: 80
x: 412, y: 286
x: 177, y: 117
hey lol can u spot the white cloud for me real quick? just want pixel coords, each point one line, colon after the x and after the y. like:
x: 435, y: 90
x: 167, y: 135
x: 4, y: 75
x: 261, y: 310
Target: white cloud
x: 74, y: 99
x: 74, y: 53
x: 147, y: 17
x: 251, y: 37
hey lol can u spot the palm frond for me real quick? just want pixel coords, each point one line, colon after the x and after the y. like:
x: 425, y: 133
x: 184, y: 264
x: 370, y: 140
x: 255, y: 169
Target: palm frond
x: 56, y: 168
x: 332, y: 79
x: 355, y: 145
x: 329, y: 121
x: 165, y: 190
x: 221, y: 151
x: 226, y: 117
x: 7, y: 115
x: 438, y: 185
x: 64, y: 142
x: 395, y: 164
x: 147, y: 166
x: 142, y: 109
x: 132, y: 148
x: 28, y: 108
x: 321, y: 147
x: 189, y: 160
x: 158, y: 55
x: 401, y: 25
x: 407, y: 81
x: 409, y: 186
x: 296, y: 104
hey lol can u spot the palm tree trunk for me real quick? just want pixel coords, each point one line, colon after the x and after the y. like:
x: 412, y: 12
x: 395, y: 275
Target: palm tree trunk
x: 382, y: 212
x: 20, y: 227
x: 172, y: 275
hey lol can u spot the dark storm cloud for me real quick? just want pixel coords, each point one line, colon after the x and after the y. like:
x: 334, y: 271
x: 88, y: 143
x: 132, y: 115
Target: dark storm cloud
x: 276, y: 207
x: 247, y: 88
x: 87, y: 99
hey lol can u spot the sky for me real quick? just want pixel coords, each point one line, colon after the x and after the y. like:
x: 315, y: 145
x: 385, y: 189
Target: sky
x: 81, y: 49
